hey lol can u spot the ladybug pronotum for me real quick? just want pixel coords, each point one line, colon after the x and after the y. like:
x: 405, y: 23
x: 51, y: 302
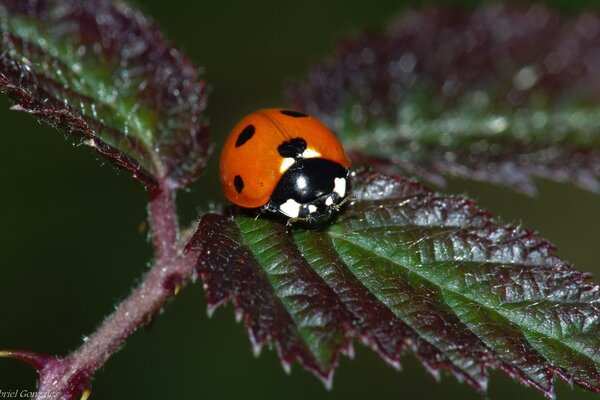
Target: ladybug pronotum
x: 286, y: 162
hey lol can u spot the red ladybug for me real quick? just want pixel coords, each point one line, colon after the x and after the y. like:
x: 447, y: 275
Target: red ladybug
x: 285, y: 162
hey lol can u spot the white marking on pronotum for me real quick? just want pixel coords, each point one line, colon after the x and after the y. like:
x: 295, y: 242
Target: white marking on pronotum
x: 301, y: 183
x: 291, y: 208
x: 312, y: 208
x: 340, y: 186
x: 310, y: 153
x: 285, y: 164
x: 329, y: 201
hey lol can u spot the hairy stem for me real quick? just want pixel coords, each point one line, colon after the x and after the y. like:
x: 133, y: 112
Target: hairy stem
x: 69, y: 377
x: 163, y: 220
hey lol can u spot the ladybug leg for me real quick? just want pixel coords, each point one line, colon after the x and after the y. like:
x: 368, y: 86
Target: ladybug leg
x: 260, y: 212
x: 338, y: 207
x: 344, y: 201
x: 291, y: 221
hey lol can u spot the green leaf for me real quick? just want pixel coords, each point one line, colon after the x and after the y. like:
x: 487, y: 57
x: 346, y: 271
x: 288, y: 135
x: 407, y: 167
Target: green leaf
x: 501, y: 94
x: 407, y: 268
x: 101, y: 71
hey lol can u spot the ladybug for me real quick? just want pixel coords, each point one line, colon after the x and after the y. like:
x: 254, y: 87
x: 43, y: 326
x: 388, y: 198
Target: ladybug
x: 285, y: 162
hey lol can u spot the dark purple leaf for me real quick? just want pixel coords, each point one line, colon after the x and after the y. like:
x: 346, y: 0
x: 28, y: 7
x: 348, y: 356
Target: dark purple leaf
x: 407, y: 268
x: 502, y: 94
x: 101, y: 71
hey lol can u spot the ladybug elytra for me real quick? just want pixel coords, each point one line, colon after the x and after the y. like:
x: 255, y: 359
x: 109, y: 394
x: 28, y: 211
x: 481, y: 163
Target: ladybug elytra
x: 286, y: 162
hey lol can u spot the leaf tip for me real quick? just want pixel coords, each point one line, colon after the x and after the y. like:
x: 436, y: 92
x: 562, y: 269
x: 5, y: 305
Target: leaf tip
x: 349, y: 351
x: 287, y: 366
x: 256, y: 345
x: 327, y: 380
x: 239, y: 315
x: 18, y: 107
x: 91, y: 142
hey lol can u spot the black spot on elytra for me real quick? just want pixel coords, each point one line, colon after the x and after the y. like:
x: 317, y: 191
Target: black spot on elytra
x: 292, y: 148
x: 245, y: 135
x: 238, y: 182
x: 295, y: 114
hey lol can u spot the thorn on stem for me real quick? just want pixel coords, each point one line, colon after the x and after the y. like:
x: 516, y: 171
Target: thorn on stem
x: 36, y: 360
x: 86, y: 394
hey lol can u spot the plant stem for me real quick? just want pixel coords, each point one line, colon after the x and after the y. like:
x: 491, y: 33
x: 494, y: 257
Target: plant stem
x: 162, y: 216
x: 71, y: 375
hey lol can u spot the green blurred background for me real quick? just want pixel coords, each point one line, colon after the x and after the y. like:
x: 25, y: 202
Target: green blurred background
x: 72, y: 246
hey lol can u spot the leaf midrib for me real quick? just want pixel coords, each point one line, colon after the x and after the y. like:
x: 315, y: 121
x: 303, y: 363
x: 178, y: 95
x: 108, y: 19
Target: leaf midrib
x: 483, y: 126
x: 508, y: 316
x: 426, y: 337
x: 258, y: 247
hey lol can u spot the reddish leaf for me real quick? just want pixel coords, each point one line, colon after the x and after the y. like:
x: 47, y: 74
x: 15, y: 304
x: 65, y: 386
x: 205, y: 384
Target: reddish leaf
x: 407, y: 268
x: 101, y: 71
x: 502, y: 94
